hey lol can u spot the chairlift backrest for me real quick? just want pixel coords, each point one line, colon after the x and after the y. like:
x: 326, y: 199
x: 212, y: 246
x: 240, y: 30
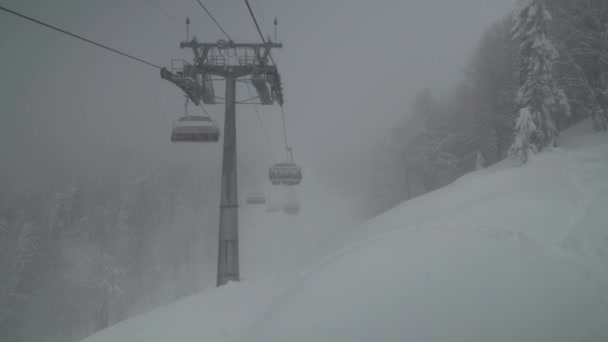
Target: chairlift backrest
x: 285, y: 174
x: 195, y: 129
x: 291, y: 207
x: 256, y: 198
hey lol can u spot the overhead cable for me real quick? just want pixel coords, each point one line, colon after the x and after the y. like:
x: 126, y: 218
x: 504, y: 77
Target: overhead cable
x: 255, y: 21
x: 257, y: 113
x: 284, y: 129
x: 160, y: 9
x: 262, y: 14
x: 258, y: 27
x: 212, y: 18
x: 78, y: 37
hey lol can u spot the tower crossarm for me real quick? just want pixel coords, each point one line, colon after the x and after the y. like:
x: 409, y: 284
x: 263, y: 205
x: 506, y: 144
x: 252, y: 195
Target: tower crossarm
x: 226, y: 58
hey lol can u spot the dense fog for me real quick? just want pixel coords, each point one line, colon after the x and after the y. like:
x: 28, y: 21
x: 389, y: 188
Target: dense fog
x: 102, y: 218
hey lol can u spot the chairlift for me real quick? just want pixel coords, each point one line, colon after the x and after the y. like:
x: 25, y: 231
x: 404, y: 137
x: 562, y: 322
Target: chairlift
x: 286, y: 173
x: 272, y: 207
x: 291, y: 207
x: 256, y: 198
x: 195, y: 128
x: 272, y: 203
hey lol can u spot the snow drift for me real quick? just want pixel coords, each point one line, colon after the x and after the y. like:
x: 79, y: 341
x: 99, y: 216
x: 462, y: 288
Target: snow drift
x: 510, y: 253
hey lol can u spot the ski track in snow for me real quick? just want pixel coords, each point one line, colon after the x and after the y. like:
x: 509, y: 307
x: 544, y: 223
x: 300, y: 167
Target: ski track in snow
x: 581, y: 198
x: 576, y: 240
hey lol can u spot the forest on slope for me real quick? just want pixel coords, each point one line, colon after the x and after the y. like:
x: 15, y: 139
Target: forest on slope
x: 94, y: 251
x: 473, y: 126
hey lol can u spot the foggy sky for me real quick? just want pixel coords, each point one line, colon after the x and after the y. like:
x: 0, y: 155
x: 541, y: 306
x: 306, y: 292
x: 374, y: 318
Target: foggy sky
x: 350, y: 69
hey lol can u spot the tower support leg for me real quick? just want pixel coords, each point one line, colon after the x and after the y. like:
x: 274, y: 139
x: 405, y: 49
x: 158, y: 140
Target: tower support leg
x: 228, y: 251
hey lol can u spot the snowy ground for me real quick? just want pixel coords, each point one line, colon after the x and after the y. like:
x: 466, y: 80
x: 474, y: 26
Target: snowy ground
x: 510, y: 253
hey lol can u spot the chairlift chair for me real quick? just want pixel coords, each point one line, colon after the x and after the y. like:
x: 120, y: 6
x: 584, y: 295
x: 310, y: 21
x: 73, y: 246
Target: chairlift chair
x: 256, y: 198
x: 272, y: 206
x: 195, y: 129
x: 291, y: 207
x: 272, y: 203
x: 286, y: 173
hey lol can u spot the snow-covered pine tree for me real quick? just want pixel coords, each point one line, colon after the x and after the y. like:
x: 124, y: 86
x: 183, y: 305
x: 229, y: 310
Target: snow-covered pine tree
x: 488, y: 105
x: 581, y: 28
x: 24, y: 254
x: 524, y: 129
x: 431, y: 143
x: 539, y: 99
x: 480, y: 163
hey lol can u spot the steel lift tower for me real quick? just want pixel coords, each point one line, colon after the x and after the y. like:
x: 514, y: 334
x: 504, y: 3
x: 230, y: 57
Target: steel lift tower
x: 231, y: 61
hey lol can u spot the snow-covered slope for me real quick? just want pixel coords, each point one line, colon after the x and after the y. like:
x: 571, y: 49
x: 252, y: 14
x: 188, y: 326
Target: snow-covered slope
x: 510, y: 253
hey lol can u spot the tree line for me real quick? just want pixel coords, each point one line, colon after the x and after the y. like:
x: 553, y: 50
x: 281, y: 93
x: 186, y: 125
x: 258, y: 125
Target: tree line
x: 540, y: 70
x: 79, y: 258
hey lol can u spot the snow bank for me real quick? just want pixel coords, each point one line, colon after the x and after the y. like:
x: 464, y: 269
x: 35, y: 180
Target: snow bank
x: 440, y: 283
x: 510, y: 253
x: 213, y: 315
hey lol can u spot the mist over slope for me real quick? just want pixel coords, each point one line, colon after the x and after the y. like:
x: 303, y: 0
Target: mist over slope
x: 510, y: 253
x: 272, y: 243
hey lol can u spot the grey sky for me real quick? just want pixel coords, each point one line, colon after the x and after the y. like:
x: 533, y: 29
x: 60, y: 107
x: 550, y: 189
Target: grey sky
x: 349, y: 67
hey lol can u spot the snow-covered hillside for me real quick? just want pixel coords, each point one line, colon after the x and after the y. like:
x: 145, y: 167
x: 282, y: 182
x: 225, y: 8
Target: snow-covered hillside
x: 510, y: 253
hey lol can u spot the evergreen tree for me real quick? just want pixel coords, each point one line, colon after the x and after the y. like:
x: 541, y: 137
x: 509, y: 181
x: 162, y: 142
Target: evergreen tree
x: 581, y: 28
x: 432, y: 142
x: 480, y: 163
x: 490, y: 101
x: 539, y: 99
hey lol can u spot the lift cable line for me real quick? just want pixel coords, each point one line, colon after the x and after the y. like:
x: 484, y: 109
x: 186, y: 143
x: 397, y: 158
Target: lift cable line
x: 262, y: 14
x: 255, y: 21
x: 287, y: 173
x: 204, y: 110
x: 258, y: 27
x: 78, y: 37
x: 285, y: 132
x: 160, y: 9
x: 200, y: 105
x: 257, y: 113
x: 212, y: 18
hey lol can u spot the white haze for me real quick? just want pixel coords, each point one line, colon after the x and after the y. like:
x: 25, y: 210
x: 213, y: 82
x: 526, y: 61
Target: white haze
x: 350, y: 70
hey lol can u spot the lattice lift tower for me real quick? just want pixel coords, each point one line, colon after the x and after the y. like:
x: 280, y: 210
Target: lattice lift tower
x: 196, y: 80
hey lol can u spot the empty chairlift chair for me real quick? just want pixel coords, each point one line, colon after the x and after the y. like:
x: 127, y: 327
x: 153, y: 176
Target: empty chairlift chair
x: 285, y: 174
x: 256, y: 198
x: 291, y: 207
x: 195, y: 129
x: 272, y: 206
x: 272, y: 203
